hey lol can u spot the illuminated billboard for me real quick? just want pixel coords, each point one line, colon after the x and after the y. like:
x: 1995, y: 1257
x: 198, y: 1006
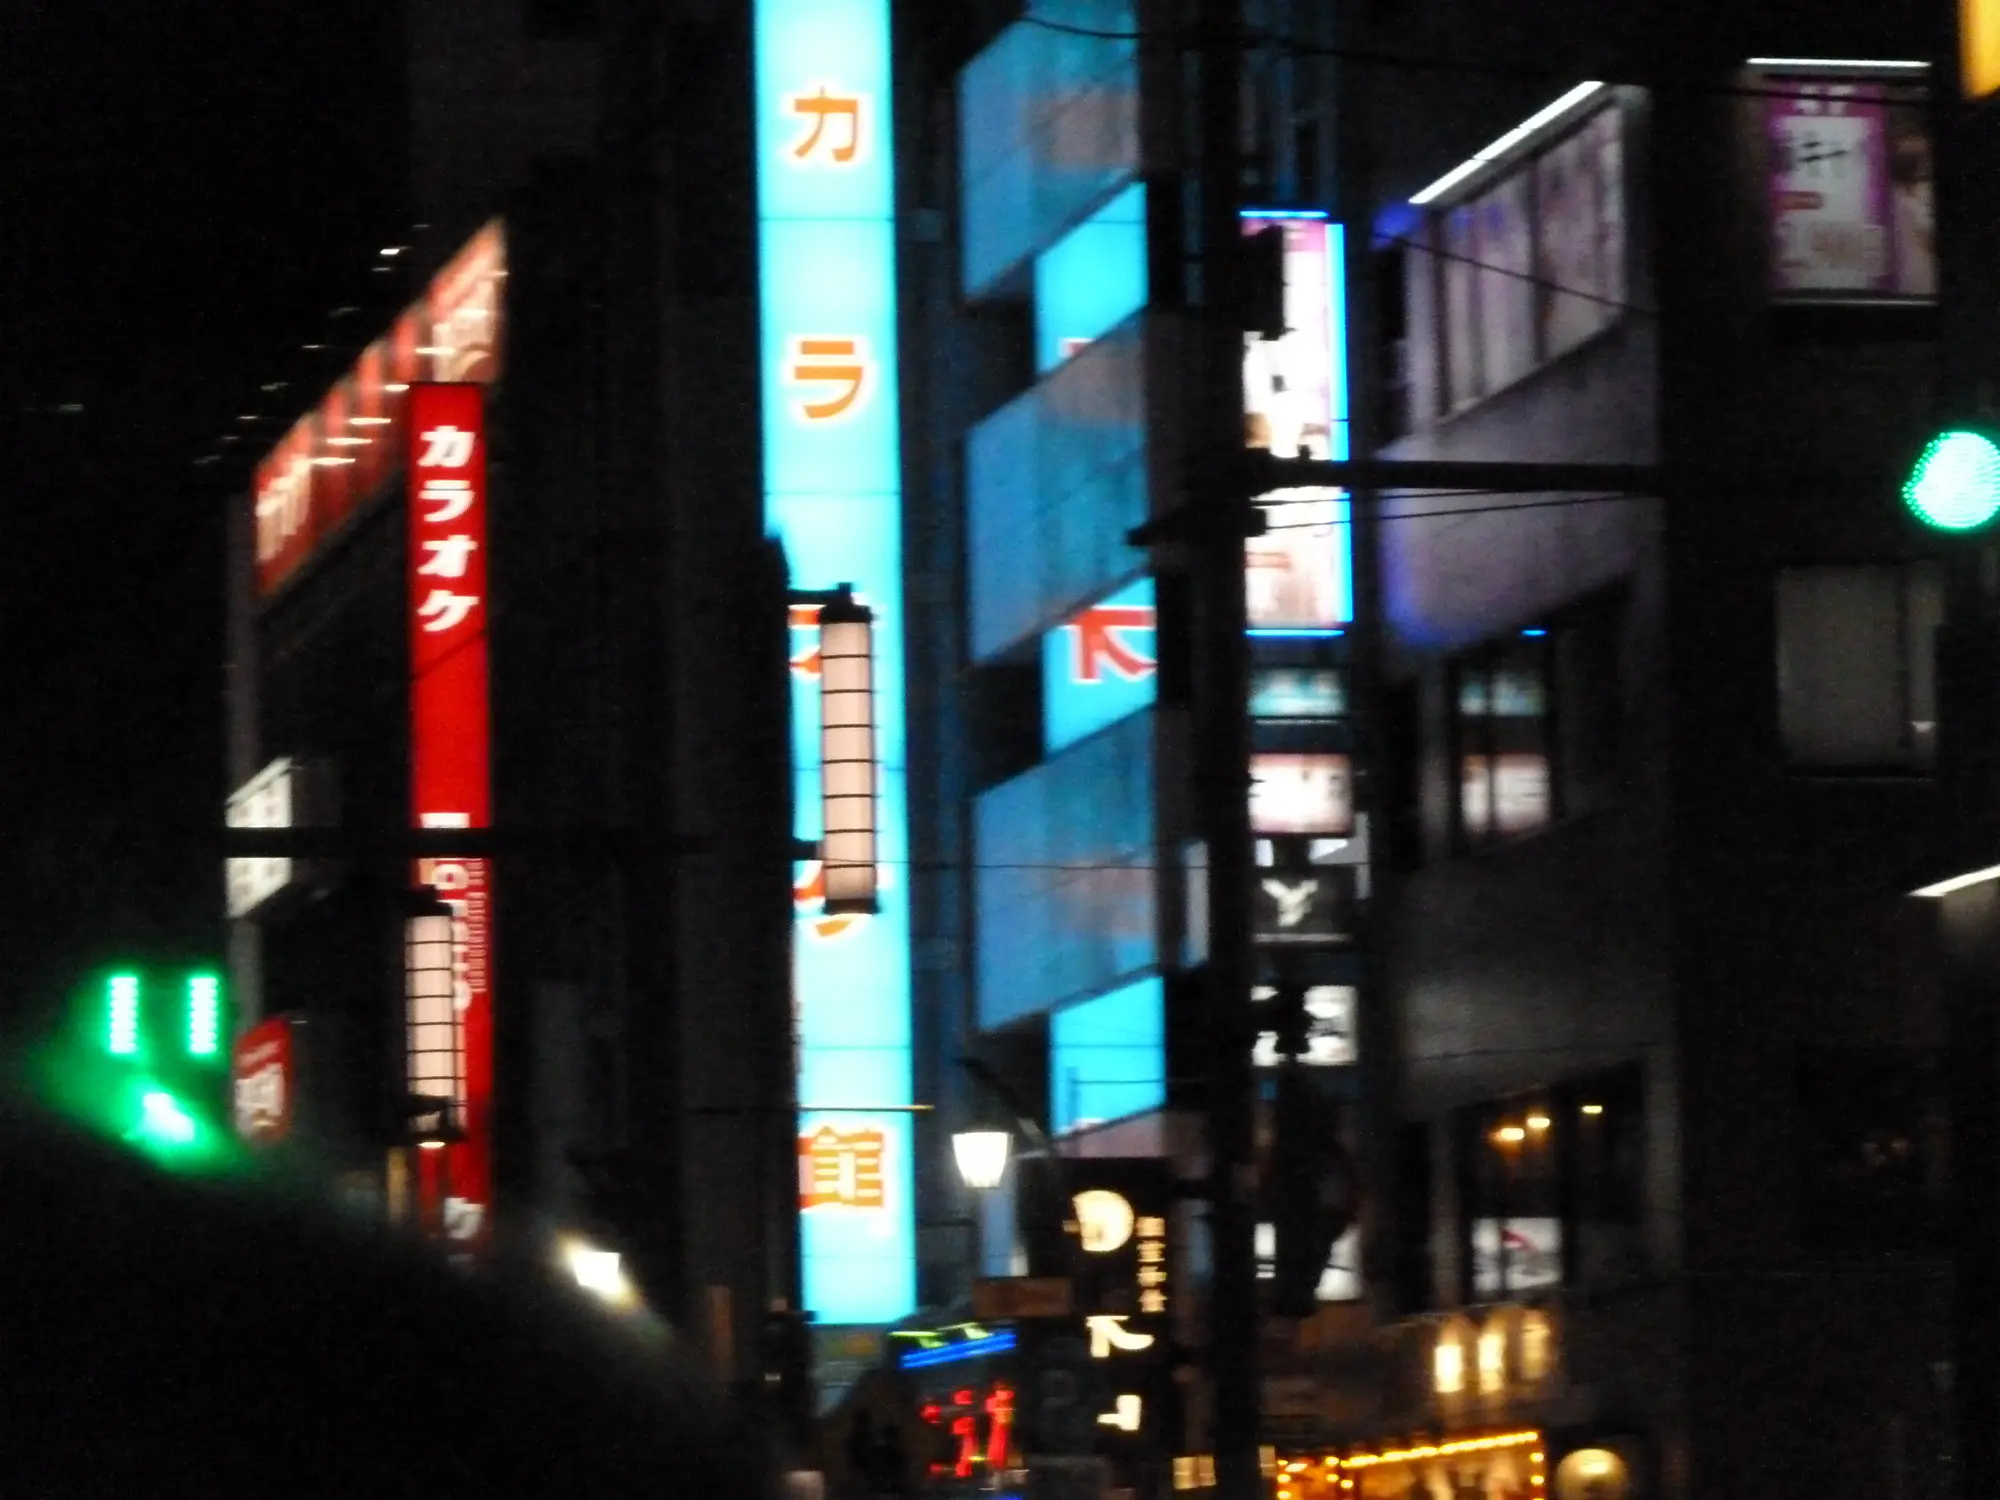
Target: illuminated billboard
x: 338, y: 459
x: 1299, y: 574
x: 450, y: 761
x: 1100, y: 666
x: 1301, y: 794
x: 833, y: 496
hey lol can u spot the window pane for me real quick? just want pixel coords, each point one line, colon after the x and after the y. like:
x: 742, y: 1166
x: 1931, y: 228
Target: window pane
x: 1504, y: 784
x: 1506, y: 283
x: 1580, y: 233
x: 1461, y: 307
x: 1841, y: 667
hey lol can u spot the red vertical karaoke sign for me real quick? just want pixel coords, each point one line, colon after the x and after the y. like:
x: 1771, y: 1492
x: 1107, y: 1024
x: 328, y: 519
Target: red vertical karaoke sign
x: 450, y: 762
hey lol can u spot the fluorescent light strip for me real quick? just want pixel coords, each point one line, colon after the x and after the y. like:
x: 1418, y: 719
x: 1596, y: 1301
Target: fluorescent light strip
x: 1958, y: 882
x: 1271, y: 633
x: 1284, y: 213
x: 951, y: 1354
x: 1901, y: 64
x: 1489, y: 154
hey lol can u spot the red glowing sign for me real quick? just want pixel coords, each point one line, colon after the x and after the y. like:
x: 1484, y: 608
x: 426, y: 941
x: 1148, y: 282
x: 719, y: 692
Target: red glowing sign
x: 263, y: 1083
x: 979, y: 1427
x: 341, y: 456
x: 450, y: 759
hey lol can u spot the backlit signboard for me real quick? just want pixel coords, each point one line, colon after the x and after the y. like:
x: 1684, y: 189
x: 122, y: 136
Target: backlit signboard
x: 264, y: 801
x: 450, y: 763
x: 1329, y: 1027
x: 1300, y: 694
x: 338, y: 459
x: 1850, y: 188
x: 1300, y: 794
x: 1297, y: 575
x: 1100, y: 666
x: 263, y: 1082
x: 833, y: 496
x: 1300, y: 572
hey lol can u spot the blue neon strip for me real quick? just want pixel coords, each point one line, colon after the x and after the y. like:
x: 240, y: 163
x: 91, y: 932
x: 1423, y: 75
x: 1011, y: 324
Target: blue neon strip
x: 1284, y: 213
x: 1297, y: 635
x: 833, y: 495
x: 951, y: 1354
x: 1534, y: 632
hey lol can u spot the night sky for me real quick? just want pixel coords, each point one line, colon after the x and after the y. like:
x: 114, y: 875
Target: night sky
x: 187, y: 189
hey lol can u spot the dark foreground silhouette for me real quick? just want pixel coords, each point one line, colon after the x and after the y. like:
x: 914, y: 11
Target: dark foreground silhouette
x: 159, y: 1338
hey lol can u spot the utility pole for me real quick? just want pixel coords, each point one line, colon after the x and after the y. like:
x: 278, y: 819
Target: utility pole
x: 1964, y: 147
x: 1222, y: 755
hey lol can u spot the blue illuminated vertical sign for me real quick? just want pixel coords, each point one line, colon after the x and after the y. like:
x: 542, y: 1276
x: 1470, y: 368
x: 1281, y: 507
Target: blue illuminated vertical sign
x: 833, y: 496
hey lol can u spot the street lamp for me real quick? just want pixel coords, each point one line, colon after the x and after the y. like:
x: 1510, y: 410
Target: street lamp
x: 847, y: 754
x: 981, y: 1153
x: 433, y: 1040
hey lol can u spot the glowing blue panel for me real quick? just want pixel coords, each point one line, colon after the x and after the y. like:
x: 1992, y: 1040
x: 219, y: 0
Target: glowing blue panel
x: 1065, y: 887
x: 833, y: 496
x: 1099, y: 667
x: 1048, y: 125
x: 1092, y: 279
x: 1108, y: 1056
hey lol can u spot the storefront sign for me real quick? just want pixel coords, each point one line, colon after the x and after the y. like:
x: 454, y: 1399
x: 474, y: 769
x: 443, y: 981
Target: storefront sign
x: 450, y: 770
x: 1299, y: 574
x: 263, y: 1083
x: 833, y: 496
x: 264, y: 801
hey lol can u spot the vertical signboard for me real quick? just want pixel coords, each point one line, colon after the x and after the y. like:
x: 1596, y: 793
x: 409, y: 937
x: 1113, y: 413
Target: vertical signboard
x: 1299, y: 573
x: 450, y: 784
x: 833, y: 496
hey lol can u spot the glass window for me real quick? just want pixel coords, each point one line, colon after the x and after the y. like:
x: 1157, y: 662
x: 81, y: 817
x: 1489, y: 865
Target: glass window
x: 1536, y: 264
x: 1502, y: 727
x: 1857, y: 687
x: 1513, y: 1219
x: 1600, y: 1127
x: 1536, y: 723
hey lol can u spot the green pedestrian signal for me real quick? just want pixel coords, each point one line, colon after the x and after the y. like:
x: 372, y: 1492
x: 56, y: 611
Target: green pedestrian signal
x: 122, y: 1005
x: 204, y: 998
x: 1955, y: 485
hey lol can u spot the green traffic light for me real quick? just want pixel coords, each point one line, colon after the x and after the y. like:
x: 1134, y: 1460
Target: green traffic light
x: 1955, y: 485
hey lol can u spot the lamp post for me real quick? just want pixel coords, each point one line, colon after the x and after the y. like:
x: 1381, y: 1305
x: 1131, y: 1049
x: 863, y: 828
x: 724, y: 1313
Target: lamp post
x: 982, y: 1152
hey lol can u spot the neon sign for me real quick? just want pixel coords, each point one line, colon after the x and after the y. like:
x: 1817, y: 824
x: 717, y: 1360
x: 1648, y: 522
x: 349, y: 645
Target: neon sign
x: 833, y: 496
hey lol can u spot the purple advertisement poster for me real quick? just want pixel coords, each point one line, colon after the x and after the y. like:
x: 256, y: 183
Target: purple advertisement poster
x: 1850, y: 190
